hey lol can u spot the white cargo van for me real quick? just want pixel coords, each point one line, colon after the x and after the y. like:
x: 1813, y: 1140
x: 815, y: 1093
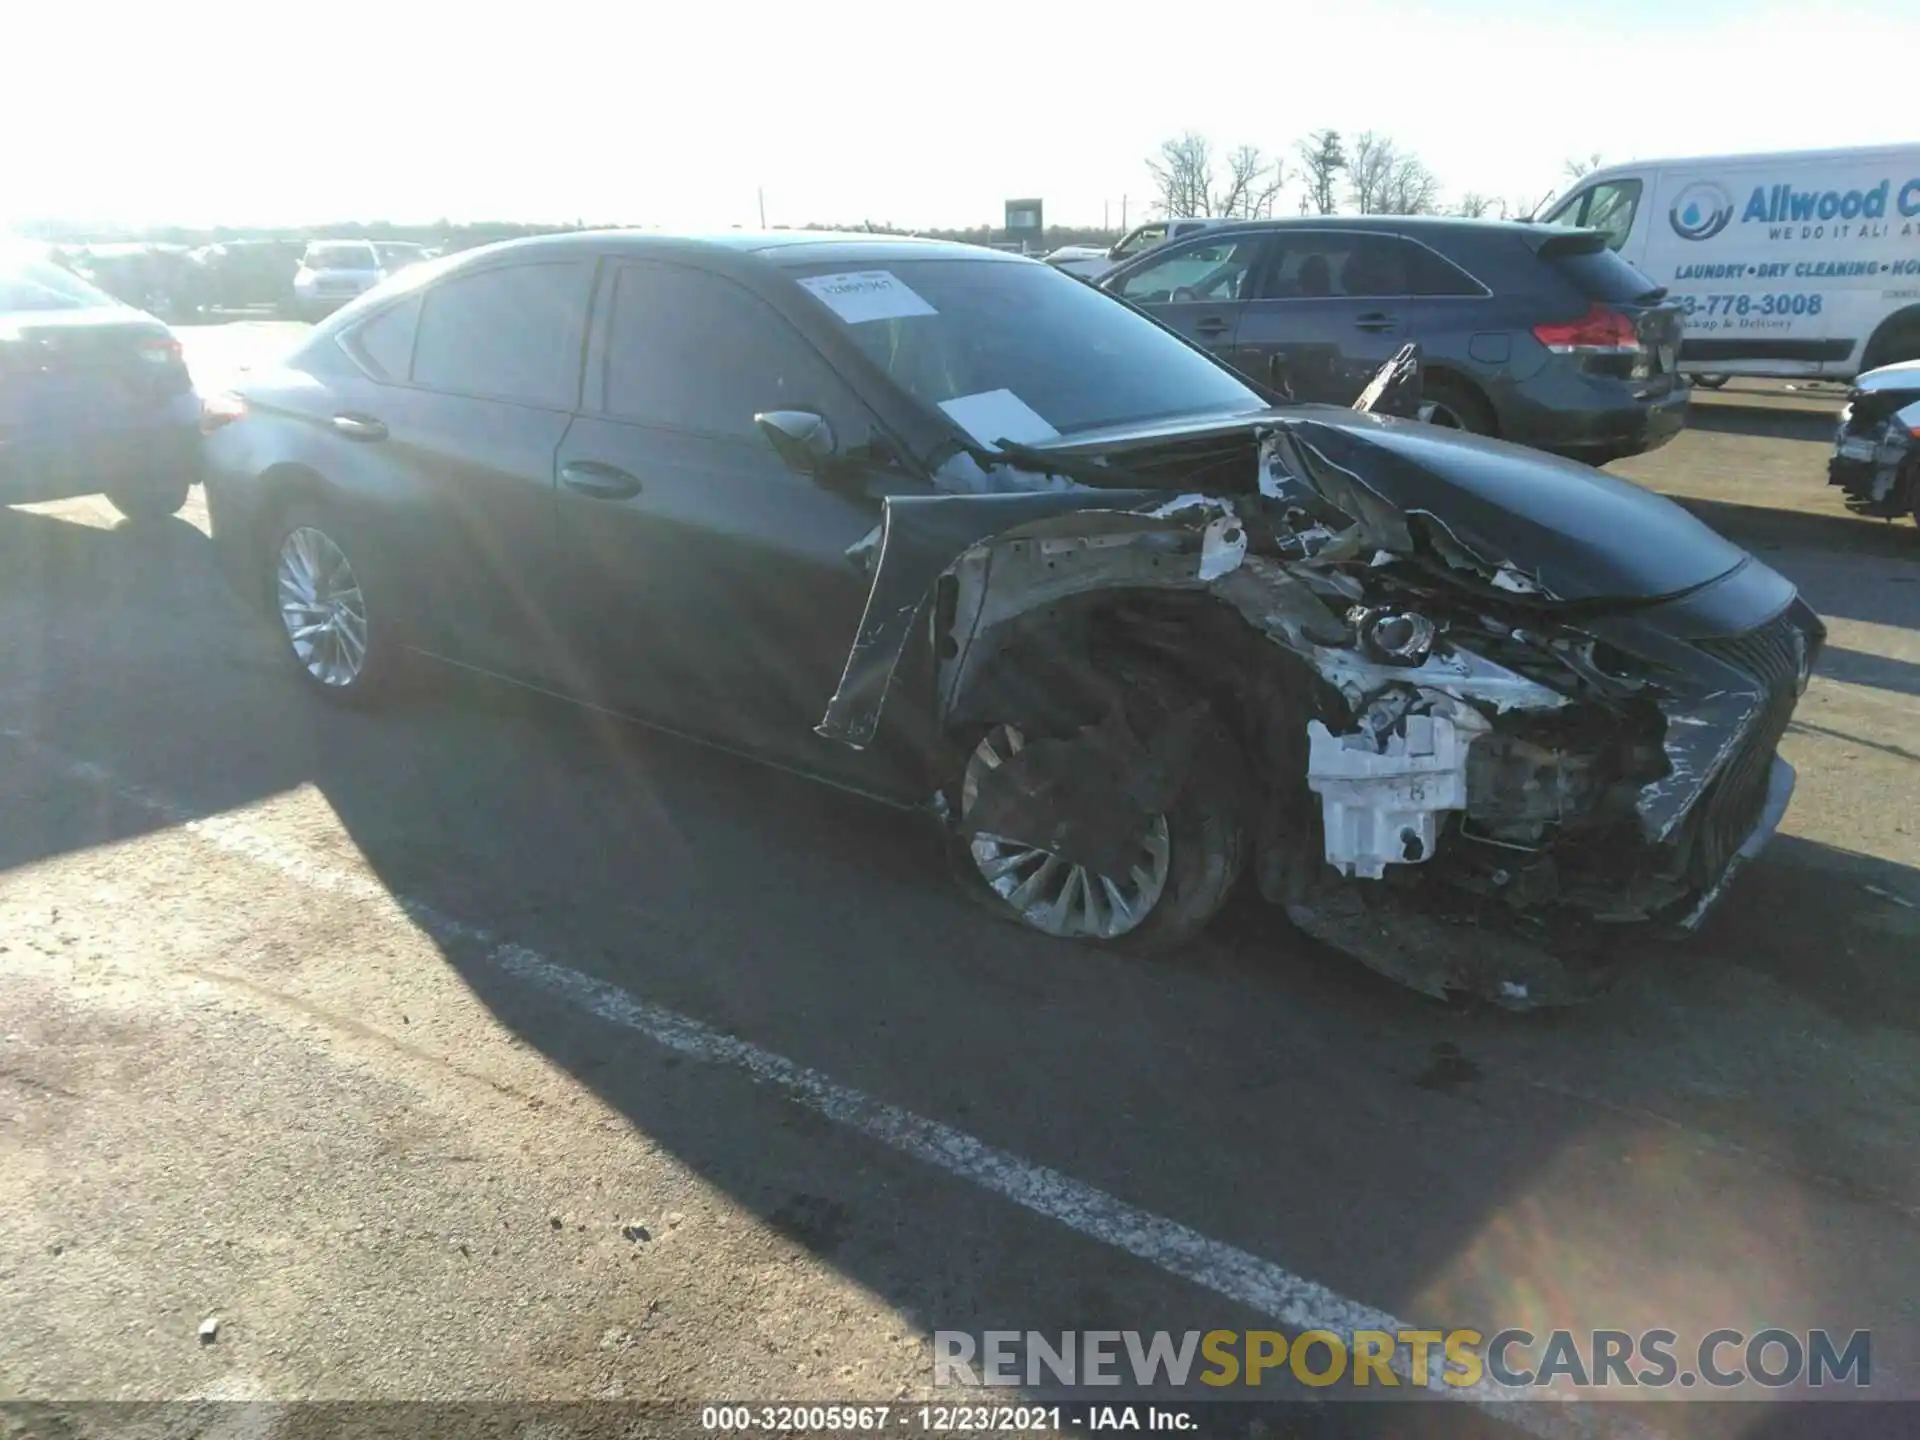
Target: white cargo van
x: 1798, y: 263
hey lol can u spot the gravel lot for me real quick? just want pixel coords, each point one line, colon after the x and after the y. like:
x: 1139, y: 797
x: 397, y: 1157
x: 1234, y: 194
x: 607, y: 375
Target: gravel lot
x: 380, y: 1038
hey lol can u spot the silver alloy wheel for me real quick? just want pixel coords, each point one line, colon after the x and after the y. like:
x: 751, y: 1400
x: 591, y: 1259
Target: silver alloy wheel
x: 322, y: 607
x: 1053, y: 895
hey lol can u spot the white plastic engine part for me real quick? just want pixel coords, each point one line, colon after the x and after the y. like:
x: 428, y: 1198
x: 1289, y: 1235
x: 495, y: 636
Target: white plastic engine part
x: 1383, y: 809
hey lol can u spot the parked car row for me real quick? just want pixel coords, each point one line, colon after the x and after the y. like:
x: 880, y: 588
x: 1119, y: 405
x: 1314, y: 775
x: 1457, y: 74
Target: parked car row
x: 302, y: 281
x: 962, y: 532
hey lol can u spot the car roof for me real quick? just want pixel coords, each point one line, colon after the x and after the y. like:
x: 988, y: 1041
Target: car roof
x: 1393, y: 224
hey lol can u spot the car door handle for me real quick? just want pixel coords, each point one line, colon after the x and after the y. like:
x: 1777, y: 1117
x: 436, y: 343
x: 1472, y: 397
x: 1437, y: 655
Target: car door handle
x: 598, y: 481
x: 1377, y: 321
x: 359, y: 427
x: 1213, y: 325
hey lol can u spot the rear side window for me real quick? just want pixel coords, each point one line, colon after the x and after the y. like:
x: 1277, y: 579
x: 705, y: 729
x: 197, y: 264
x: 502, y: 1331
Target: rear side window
x: 513, y: 333
x: 694, y: 351
x: 1600, y: 275
x: 1429, y: 273
x: 385, y: 341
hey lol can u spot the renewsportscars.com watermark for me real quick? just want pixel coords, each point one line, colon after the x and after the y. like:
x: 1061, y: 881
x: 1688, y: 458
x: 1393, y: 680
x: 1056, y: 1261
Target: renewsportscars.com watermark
x: 1720, y: 1360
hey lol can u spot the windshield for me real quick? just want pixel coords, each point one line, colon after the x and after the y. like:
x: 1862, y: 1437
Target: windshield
x: 341, y: 257
x: 1022, y: 349
x: 27, y: 284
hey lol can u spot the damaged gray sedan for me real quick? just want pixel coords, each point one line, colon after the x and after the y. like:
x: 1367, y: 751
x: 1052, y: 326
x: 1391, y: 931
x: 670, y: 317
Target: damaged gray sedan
x: 1876, y: 450
x: 954, y: 529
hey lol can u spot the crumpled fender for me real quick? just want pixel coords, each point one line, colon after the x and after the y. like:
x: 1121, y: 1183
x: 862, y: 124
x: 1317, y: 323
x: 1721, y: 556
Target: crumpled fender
x: 921, y: 538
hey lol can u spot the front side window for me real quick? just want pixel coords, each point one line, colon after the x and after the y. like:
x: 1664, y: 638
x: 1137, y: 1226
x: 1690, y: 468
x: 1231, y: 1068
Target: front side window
x: 512, y: 333
x: 1610, y: 210
x: 1023, y: 350
x: 1205, y: 270
x: 695, y: 351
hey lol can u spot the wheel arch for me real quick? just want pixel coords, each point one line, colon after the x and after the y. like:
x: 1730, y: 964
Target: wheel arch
x: 1447, y: 376
x: 1878, y: 347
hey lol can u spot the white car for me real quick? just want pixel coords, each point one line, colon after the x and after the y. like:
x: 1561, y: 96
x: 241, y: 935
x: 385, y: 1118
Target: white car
x: 1798, y: 263
x: 332, y: 272
x: 1090, y: 262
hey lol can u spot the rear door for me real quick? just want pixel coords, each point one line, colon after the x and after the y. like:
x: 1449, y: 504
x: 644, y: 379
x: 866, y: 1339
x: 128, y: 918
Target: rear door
x: 1198, y: 286
x: 480, y: 375
x: 1330, y: 308
x: 714, y: 582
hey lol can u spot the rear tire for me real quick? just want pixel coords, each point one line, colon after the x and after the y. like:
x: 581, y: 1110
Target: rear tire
x: 1454, y: 405
x: 1202, y: 836
x: 149, y: 501
x: 1710, y: 382
x: 326, y: 604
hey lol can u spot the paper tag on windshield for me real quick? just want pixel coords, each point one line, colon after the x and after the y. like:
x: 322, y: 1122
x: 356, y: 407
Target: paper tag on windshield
x: 996, y: 415
x: 863, y: 295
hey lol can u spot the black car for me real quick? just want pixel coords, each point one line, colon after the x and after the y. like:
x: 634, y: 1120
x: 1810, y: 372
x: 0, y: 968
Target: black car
x: 1533, y: 333
x: 240, y: 274
x: 94, y: 395
x: 954, y: 529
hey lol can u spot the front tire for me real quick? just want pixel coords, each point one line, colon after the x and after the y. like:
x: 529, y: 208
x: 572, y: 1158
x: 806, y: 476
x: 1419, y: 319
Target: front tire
x: 332, y: 629
x: 148, y: 502
x: 1187, y: 860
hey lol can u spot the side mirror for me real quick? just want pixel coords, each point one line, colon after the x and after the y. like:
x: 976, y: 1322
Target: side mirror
x: 801, y: 438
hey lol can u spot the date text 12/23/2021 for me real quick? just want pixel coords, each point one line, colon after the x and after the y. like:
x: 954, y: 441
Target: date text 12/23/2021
x: 943, y: 1419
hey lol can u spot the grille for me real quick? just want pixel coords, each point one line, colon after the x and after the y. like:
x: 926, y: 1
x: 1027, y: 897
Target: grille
x: 1732, y: 806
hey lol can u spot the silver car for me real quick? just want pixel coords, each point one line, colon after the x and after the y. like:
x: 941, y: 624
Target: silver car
x: 332, y: 272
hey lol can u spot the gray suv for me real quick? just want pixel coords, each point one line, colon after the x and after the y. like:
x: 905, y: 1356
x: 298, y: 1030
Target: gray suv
x: 1533, y: 333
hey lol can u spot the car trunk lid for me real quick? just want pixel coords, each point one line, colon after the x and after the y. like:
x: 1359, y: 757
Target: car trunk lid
x: 86, y: 366
x: 1632, y: 327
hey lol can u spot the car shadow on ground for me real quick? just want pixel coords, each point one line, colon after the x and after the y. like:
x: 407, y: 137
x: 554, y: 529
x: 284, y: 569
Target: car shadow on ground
x: 1764, y: 527
x: 1770, y: 422
x: 1257, y: 1088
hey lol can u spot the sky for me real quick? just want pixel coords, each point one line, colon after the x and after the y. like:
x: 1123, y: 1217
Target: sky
x: 684, y: 114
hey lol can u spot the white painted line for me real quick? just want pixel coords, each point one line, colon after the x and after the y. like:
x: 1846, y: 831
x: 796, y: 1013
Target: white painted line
x: 1288, y: 1299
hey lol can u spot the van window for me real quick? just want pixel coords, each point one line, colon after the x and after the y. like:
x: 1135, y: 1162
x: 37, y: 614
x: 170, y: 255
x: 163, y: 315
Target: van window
x: 1608, y: 208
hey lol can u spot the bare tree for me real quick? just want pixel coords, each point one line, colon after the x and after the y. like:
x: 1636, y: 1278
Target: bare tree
x: 1386, y: 180
x: 1578, y: 166
x: 1476, y: 206
x: 1324, y: 159
x: 1183, y: 176
x: 1253, y: 183
x: 1411, y: 189
x: 1367, y: 171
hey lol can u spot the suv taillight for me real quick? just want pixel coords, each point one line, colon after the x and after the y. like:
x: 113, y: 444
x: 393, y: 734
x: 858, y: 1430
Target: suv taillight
x: 1601, y: 331
x: 160, y: 350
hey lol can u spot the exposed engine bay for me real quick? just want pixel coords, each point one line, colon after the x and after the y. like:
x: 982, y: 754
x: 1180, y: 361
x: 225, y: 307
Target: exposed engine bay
x: 1503, y: 715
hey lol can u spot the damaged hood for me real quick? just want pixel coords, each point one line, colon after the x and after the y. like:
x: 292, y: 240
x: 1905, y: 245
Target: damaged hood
x: 1578, y: 533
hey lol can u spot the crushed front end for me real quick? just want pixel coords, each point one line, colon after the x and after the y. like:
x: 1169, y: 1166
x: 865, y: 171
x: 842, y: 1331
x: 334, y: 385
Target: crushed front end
x: 1492, y: 752
x: 1876, y: 447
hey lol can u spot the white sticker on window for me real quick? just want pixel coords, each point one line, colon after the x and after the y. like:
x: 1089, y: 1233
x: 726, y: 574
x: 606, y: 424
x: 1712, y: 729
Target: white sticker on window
x: 996, y: 415
x: 862, y: 295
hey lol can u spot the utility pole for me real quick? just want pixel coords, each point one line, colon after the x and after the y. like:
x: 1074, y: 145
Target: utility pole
x: 1106, y: 214
x: 762, y: 192
x: 1123, y: 212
